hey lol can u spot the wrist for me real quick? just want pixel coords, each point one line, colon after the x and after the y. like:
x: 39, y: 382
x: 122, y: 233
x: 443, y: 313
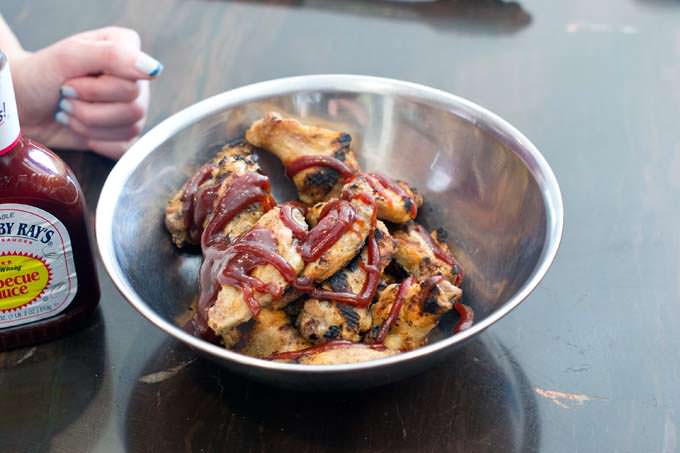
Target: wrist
x: 15, y: 53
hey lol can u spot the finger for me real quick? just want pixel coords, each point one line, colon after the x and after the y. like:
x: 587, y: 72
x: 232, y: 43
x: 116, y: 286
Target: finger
x: 125, y: 36
x: 111, y: 149
x: 104, y: 88
x: 120, y: 133
x: 103, y: 114
x: 144, y: 94
x: 77, y: 57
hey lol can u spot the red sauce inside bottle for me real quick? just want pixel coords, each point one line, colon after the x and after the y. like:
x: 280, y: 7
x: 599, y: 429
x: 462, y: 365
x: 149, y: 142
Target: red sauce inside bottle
x: 48, y: 283
x: 31, y: 174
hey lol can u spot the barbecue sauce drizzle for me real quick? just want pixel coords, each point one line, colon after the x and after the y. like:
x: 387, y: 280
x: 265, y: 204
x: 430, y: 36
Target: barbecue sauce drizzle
x: 332, y: 225
x: 305, y: 162
x: 196, y: 202
x: 395, y: 309
x: 231, y: 264
x: 380, y: 184
x: 467, y: 316
x: 243, y: 191
x: 286, y: 215
x: 442, y: 255
x: 336, y: 219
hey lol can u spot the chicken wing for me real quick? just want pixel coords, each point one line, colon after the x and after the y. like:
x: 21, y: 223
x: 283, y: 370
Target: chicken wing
x: 345, y: 355
x: 396, y: 201
x: 191, y: 208
x: 348, y: 245
x: 423, y: 255
x: 334, y: 353
x: 320, y: 321
x: 264, y: 283
x: 271, y: 332
x: 406, y: 313
x: 290, y: 140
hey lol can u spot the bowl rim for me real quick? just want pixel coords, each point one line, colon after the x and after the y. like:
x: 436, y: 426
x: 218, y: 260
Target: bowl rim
x: 479, y: 116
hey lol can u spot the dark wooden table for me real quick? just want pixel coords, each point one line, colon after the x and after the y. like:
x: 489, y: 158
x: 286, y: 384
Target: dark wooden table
x: 590, y: 362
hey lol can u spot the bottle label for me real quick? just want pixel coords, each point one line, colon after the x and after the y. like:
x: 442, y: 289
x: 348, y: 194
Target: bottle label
x: 9, y: 116
x: 37, y: 272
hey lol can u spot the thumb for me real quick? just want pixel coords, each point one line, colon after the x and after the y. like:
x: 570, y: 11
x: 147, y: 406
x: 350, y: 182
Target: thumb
x: 77, y: 57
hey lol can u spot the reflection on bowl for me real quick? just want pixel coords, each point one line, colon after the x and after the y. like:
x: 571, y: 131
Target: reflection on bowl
x: 483, y: 181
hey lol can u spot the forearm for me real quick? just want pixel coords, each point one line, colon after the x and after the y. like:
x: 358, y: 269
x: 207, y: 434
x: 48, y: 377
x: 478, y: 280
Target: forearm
x: 9, y: 43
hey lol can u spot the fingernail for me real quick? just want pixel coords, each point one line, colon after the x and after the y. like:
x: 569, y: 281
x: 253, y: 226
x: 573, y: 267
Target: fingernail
x: 149, y: 65
x: 65, y: 105
x: 61, y: 118
x: 68, y: 92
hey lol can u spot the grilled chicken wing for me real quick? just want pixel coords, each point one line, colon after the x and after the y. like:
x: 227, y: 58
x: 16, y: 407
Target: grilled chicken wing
x: 397, y: 201
x: 423, y: 255
x: 347, y: 246
x: 423, y: 304
x: 345, y: 355
x: 323, y: 320
x: 231, y: 307
x: 335, y: 353
x: 191, y: 208
x: 290, y: 140
x: 271, y: 332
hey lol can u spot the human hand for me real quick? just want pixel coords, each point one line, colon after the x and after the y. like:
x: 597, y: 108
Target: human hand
x: 88, y: 91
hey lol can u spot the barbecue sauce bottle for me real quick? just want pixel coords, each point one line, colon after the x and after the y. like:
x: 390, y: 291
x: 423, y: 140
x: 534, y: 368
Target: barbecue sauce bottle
x: 48, y: 280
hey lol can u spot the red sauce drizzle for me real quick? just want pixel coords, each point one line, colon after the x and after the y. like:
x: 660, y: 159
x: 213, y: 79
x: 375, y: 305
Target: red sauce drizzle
x: 467, y: 316
x: 395, y: 310
x: 305, y: 162
x: 194, y: 200
x: 380, y: 184
x: 208, y: 289
x: 243, y: 191
x: 367, y: 199
x: 337, y: 217
x: 442, y: 255
x: 331, y: 345
x: 364, y: 298
x: 436, y: 249
x: 286, y: 215
x: 371, y: 267
x: 232, y: 264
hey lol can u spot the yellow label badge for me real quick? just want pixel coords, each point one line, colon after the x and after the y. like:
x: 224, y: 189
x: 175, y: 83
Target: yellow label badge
x: 22, y: 280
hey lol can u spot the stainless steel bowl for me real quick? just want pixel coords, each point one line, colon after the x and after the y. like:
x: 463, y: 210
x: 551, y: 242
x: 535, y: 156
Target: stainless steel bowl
x: 482, y: 179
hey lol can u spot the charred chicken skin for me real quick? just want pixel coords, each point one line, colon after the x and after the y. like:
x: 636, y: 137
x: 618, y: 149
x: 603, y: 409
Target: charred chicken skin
x: 424, y: 254
x: 406, y: 313
x: 191, y: 209
x: 323, y: 320
x: 249, y: 283
x: 321, y: 281
x: 299, y: 146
